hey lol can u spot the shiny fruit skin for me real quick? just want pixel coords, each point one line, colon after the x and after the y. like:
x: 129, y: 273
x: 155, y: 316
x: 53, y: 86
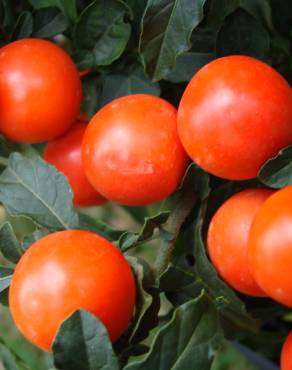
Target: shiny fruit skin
x: 270, y: 247
x: 40, y: 91
x: 286, y: 353
x: 66, y: 271
x: 131, y: 151
x: 235, y: 114
x: 228, y: 239
x: 65, y: 154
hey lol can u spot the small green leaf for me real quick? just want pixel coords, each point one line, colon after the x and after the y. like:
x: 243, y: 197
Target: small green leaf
x: 82, y: 342
x: 187, y: 64
x: 9, y: 245
x: 32, y: 187
x: 49, y: 22
x: 130, y: 240
x: 240, y: 34
x: 5, y: 277
x: 167, y: 26
x: 99, y: 227
x: 190, y: 337
x: 102, y: 29
x: 23, y: 27
x: 277, y: 172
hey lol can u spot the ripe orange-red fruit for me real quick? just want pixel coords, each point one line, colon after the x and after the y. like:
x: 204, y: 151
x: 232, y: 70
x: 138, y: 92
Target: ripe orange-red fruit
x: 270, y: 247
x: 40, y: 91
x: 235, y: 114
x: 66, y: 271
x: 228, y: 239
x: 131, y: 151
x: 286, y: 354
x: 65, y: 154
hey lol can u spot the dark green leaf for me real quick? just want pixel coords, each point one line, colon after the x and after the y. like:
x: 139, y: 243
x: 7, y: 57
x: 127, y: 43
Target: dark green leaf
x: 83, y: 343
x: 195, y: 185
x: 133, y: 82
x: 7, y: 359
x: 130, y: 240
x: 240, y: 34
x: 282, y: 16
x: 99, y: 227
x: 49, y: 22
x: 166, y: 30
x: 187, y: 64
x: 138, y: 7
x: 147, y: 303
x: 68, y: 7
x: 260, y: 9
x: 102, y: 29
x: 9, y: 245
x: 5, y: 277
x: 91, y: 93
x: 277, y: 172
x: 23, y: 27
x: 190, y: 337
x: 219, y: 10
x: 83, y: 59
x: 32, y: 187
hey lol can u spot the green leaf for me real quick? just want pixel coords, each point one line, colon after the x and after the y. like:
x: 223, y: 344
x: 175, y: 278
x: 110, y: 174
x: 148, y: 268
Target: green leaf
x: 7, y: 359
x: 32, y: 187
x: 147, y: 302
x: 187, y: 64
x: 32, y: 238
x: 68, y: 7
x: 5, y: 277
x: 130, y: 240
x: 23, y: 27
x: 99, y: 227
x: 83, y: 59
x: 219, y: 10
x: 132, y: 82
x: 102, y: 29
x: 49, y: 22
x: 241, y: 34
x: 9, y: 245
x: 167, y: 26
x: 261, y: 10
x: 277, y: 172
x: 82, y: 342
x: 190, y: 337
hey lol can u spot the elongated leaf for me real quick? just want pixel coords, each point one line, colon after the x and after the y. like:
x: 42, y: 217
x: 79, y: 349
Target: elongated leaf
x: 166, y: 30
x: 102, y: 29
x: 130, y: 240
x: 9, y: 245
x: 147, y: 303
x: 187, y: 64
x: 277, y: 172
x: 32, y: 238
x: 5, y: 277
x: 190, y: 337
x: 83, y: 343
x: 241, y: 33
x: 32, y: 187
x: 49, y: 22
x: 133, y: 82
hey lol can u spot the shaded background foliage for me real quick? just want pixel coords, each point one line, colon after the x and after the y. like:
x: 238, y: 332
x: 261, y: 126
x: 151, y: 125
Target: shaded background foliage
x: 155, y: 47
